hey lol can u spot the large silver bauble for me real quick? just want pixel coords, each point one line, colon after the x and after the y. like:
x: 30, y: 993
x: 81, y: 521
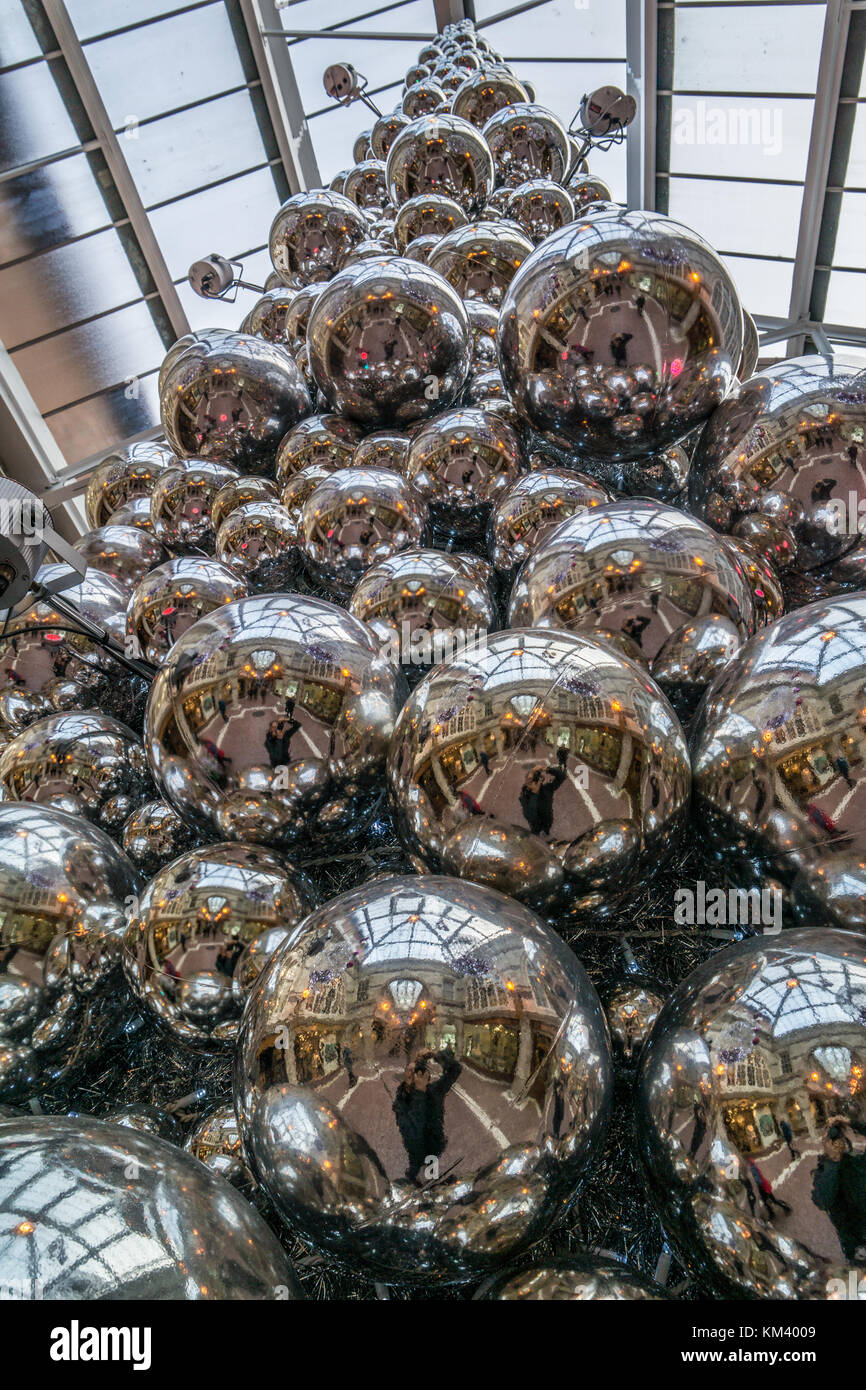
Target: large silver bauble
x: 355, y: 518
x: 481, y: 259
x: 752, y: 1115
x: 527, y: 142
x: 778, y: 759
x: 313, y: 233
x: 124, y: 553
x: 440, y: 154
x: 64, y: 887
x: 327, y: 439
x: 431, y: 215
x: 483, y: 93
x: 259, y: 542
x: 422, y: 1076
x: 269, y: 316
x: 529, y: 509
x: 154, y: 835
x: 122, y: 476
x: 790, y: 450
x: 578, y: 1277
x: 181, y: 502
x: 90, y: 1210
x: 201, y: 933
x: 389, y: 342
x: 270, y: 722
x: 173, y: 597
x: 652, y: 579
x: 237, y: 493
x: 621, y: 333
x: 461, y: 463
x: 541, y: 206
x: 426, y: 605
x: 545, y: 765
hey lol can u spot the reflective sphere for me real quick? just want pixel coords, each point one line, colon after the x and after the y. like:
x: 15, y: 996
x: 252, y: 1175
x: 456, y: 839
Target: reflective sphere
x: 430, y: 215
x: 76, y: 1227
x: 389, y: 342
x: 199, y: 335
x: 653, y: 580
x: 426, y: 605
x: 236, y: 493
x: 422, y: 1077
x: 778, y: 759
x: 365, y: 186
x: 529, y: 509
x: 767, y: 597
x: 440, y: 154
x: 269, y: 316
x: 201, y: 933
x: 270, y: 722
x: 382, y: 449
x: 621, y: 333
x: 632, y: 1009
x: 259, y: 543
x: 325, y: 439
x: 587, y: 192
x: 527, y: 142
x: 752, y: 1115
x: 545, y: 765
x: 356, y: 517
x: 135, y: 512
x: 173, y: 597
x: 180, y: 507
x: 484, y: 93
x: 461, y: 463
x: 480, y: 259
x: 483, y: 324
x: 124, y: 553
x: 751, y: 348
x: 577, y: 1277
x: 122, y: 476
x: 295, y: 493
x: 299, y: 314
x: 313, y: 233
x: 154, y: 835
x: 146, y: 1119
x: 63, y: 889
x: 233, y: 402
x: 787, y: 453
x: 216, y: 1142
x: 541, y: 207
x: 420, y: 247
x: 386, y: 130
x: 423, y: 99
x: 361, y: 147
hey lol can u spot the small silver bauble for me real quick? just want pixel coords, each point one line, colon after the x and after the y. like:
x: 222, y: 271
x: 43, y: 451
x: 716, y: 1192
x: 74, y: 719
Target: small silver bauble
x: 574, y: 1278
x: 197, y: 928
x: 541, y: 206
x: 440, y: 154
x: 631, y: 1010
x: 426, y: 605
x: 529, y: 509
x: 64, y: 887
x: 295, y: 492
x: 587, y: 191
x: 752, y: 1112
x: 423, y: 99
x: 365, y: 186
x: 236, y: 493
x: 430, y: 215
x: 621, y: 333
x: 146, y: 1119
x: 216, y: 1142
x: 382, y: 449
x: 386, y: 130
x: 389, y: 342
x: 483, y: 324
x: 269, y: 316
x: 361, y: 147
x: 232, y: 402
x: 313, y: 233
x: 751, y: 348
x: 122, y: 476
x: 124, y: 553
x: 180, y: 505
x: 154, y: 835
x: 767, y: 596
x: 299, y: 315
x: 481, y: 259
x: 420, y: 247
x: 301, y: 665
x: 410, y: 1012
x: 135, y: 512
x: 259, y: 543
x: 199, y: 335
x: 484, y: 93
x: 173, y: 597
x: 327, y: 439
x: 355, y: 518
x: 545, y: 765
x: 527, y: 142
x: 99, y: 1211
x: 461, y: 463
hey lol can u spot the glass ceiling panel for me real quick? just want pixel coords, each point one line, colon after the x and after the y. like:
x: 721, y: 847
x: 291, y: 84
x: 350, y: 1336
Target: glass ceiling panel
x: 558, y: 28
x: 91, y: 17
x: 764, y: 286
x: 755, y: 48
x: 231, y: 218
x: 744, y: 217
x: 764, y: 139
x: 33, y: 120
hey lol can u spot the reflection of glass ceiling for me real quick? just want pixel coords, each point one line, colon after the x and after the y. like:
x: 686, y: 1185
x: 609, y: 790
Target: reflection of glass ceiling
x: 816, y: 990
x: 403, y: 929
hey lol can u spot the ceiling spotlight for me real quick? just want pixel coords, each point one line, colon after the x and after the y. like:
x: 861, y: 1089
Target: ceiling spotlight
x: 344, y: 84
x: 213, y: 277
x: 605, y: 113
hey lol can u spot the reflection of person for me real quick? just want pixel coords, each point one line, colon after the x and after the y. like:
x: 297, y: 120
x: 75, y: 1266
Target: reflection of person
x: 788, y: 1136
x: 278, y: 740
x: 349, y: 1063
x: 419, y: 1107
x: 537, y: 792
x: 839, y: 1188
x: 765, y: 1190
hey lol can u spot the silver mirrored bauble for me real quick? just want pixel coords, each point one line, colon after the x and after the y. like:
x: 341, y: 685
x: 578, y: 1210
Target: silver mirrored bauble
x: 201, y: 933
x: 335, y: 185
x: 173, y: 597
x: 751, y: 348
x: 355, y: 518
x: 198, y: 335
x: 216, y: 1142
x: 146, y: 1119
x: 418, y: 72
x: 423, y: 99
x: 631, y: 1010
x: 461, y: 463
x: 588, y: 193
x: 426, y: 605
x: 767, y: 597
x: 779, y: 759
x: 480, y: 259
x: 752, y: 1115
x: 431, y: 215
x: 180, y: 505
x: 545, y: 765
x: 541, y: 206
x: 484, y: 93
x: 621, y: 333
x: 233, y: 402
x: 365, y: 186
x: 270, y: 722
x: 382, y: 449
x: 529, y: 509
x: 135, y: 512
x: 386, y: 130
x: 236, y: 493
x: 87, y: 764
x: 647, y: 577
x: 122, y: 476
x: 269, y: 316
x: 440, y: 154
x: 64, y: 887
x: 327, y: 439
x: 259, y: 543
x: 361, y: 147
x: 389, y: 342
x: 154, y: 835
x: 313, y: 233
x: 90, y: 1210
x: 124, y: 553
x: 422, y: 1077
x: 483, y: 324
x: 420, y: 247
x: 782, y: 463
x: 299, y: 315
x: 578, y: 1277
x: 527, y: 142
x: 295, y: 492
